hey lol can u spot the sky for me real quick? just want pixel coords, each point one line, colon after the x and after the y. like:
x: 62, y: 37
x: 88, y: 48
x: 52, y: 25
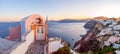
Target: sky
x: 15, y: 10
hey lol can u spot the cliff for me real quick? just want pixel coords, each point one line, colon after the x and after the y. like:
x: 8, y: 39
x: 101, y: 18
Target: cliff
x: 88, y: 42
x: 100, y: 36
x: 90, y: 24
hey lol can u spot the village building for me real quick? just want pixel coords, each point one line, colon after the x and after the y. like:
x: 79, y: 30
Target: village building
x: 117, y: 27
x: 109, y: 21
x: 107, y: 31
x: 116, y: 46
x: 33, y: 33
x: 112, y: 39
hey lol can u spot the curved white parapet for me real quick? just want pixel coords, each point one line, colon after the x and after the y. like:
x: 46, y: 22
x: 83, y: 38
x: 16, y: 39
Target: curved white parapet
x: 23, y: 47
x: 54, y: 46
x: 117, y: 52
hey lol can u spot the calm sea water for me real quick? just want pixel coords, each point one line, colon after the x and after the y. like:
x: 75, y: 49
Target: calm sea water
x: 69, y: 32
x: 4, y: 28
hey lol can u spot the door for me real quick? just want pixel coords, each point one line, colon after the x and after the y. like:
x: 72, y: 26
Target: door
x: 39, y: 33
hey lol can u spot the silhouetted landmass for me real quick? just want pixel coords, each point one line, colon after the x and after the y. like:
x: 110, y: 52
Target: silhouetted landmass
x: 52, y: 21
x: 83, y: 20
x: 73, y: 20
x: 100, y: 18
x: 105, y: 18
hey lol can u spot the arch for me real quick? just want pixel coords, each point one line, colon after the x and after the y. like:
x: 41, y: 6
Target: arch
x: 31, y: 19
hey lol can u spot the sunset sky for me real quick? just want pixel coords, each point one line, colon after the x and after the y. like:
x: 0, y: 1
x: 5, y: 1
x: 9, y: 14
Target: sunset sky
x: 14, y: 10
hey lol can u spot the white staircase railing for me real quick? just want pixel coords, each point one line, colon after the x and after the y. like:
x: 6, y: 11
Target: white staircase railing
x: 22, y: 48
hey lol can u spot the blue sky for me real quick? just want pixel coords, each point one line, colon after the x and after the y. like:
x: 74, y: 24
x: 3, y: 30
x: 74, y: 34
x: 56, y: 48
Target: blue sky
x: 14, y: 10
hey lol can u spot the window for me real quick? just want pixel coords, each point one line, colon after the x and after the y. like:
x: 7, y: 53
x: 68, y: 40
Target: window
x: 37, y: 30
x: 42, y: 30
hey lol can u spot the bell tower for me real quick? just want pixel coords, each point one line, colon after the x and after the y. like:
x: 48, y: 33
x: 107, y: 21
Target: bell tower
x: 40, y: 29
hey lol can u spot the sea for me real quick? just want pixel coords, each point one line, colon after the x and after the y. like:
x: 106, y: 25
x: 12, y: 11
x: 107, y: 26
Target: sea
x: 69, y: 32
x: 4, y: 28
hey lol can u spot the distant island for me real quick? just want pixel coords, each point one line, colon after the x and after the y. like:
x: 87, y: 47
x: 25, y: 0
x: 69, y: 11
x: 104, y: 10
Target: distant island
x: 72, y: 20
x: 83, y: 20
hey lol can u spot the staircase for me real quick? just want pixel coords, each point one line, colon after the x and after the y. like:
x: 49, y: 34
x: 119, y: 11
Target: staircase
x: 30, y: 46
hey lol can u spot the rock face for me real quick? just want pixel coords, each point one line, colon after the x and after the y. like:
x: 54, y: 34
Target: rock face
x: 90, y: 24
x: 88, y: 42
